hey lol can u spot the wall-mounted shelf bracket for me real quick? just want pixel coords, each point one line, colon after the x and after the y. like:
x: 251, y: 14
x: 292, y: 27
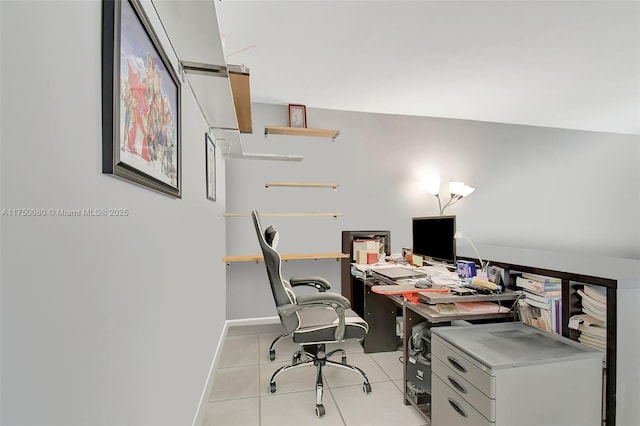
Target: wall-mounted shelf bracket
x: 302, y: 185
x: 334, y: 215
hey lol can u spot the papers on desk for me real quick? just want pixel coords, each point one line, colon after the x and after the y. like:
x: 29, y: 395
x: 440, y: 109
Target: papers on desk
x: 441, y: 275
x: 360, y: 270
x: 481, y: 307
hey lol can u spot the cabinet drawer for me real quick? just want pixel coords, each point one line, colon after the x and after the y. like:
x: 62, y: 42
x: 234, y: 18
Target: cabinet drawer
x: 449, y: 409
x: 468, y: 368
x: 481, y: 402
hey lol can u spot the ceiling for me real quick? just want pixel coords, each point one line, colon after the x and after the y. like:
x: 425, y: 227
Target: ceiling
x: 566, y: 64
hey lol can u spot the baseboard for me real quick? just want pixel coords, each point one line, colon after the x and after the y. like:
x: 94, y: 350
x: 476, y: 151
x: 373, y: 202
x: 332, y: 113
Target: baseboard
x: 252, y: 321
x: 199, y: 417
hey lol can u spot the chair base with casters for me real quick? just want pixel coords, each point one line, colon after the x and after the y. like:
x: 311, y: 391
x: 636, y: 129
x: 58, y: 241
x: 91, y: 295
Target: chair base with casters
x: 317, y: 355
x: 272, y: 350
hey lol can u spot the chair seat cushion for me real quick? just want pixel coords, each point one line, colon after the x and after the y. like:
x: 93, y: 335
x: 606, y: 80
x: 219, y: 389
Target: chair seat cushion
x: 318, y: 325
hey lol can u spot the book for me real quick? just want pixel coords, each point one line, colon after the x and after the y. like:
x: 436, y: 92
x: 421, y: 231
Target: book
x: 534, y: 316
x: 542, y: 298
x: 597, y: 294
x: 541, y: 278
x: 594, y: 331
x: 447, y: 308
x: 537, y: 286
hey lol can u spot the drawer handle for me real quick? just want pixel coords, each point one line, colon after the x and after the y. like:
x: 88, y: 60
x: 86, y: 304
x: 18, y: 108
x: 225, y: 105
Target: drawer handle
x: 456, y: 385
x: 456, y: 407
x: 456, y: 364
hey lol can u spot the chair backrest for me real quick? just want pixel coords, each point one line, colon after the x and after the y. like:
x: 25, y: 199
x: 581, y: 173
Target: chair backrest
x: 282, y: 292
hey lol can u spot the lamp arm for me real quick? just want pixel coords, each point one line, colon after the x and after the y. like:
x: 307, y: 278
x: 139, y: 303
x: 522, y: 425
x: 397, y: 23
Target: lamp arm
x: 476, y: 250
x: 440, y: 205
x: 454, y: 199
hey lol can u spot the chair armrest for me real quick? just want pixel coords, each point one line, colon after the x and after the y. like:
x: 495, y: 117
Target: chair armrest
x: 325, y: 298
x: 336, y: 301
x: 318, y: 282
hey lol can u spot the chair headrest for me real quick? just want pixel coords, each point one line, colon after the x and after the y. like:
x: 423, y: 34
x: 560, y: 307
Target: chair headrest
x: 271, y: 237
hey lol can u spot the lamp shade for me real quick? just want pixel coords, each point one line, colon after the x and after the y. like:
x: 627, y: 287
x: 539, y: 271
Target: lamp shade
x: 432, y: 186
x: 459, y: 188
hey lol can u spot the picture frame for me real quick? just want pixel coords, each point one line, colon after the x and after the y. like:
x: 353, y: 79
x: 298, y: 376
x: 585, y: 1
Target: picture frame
x: 210, y: 166
x: 141, y: 124
x: 297, y: 115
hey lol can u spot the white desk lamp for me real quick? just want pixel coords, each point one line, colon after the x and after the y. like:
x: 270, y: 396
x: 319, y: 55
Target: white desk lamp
x: 459, y: 235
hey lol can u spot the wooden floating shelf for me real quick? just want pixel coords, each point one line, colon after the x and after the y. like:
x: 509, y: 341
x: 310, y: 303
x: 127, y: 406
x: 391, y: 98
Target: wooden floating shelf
x: 302, y: 184
x: 283, y: 214
x: 285, y: 257
x: 301, y: 131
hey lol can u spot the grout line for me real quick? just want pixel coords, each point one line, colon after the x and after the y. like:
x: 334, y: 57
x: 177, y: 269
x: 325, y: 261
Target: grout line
x: 381, y: 368
x: 335, y: 402
x: 259, y: 384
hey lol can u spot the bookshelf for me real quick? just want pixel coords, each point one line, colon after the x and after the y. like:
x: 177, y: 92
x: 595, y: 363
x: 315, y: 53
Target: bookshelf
x: 295, y: 256
x: 301, y: 131
x: 301, y: 185
x: 334, y: 215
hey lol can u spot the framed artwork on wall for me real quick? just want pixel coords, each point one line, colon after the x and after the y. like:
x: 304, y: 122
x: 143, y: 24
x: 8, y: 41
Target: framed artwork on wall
x: 141, y: 140
x: 210, y: 166
x: 297, y: 115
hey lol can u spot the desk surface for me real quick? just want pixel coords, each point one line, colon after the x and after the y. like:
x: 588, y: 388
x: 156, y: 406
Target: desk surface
x: 433, y: 298
x: 428, y: 301
x: 430, y: 313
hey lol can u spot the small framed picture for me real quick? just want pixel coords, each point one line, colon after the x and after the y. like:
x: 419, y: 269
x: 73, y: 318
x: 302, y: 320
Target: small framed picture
x: 210, y: 167
x: 297, y: 115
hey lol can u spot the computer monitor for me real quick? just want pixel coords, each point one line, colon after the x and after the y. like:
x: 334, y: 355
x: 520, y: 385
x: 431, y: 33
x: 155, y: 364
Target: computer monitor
x: 433, y: 238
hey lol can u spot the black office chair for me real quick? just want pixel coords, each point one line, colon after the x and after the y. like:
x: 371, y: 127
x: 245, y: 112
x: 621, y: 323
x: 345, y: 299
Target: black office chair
x: 312, y: 320
x: 318, y: 283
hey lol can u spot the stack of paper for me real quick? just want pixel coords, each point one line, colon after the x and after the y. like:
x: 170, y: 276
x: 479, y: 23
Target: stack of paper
x: 592, y: 322
x: 542, y: 302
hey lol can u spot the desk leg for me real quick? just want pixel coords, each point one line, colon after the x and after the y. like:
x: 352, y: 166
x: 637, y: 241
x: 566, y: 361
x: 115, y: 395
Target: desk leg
x: 380, y: 314
x: 410, y: 319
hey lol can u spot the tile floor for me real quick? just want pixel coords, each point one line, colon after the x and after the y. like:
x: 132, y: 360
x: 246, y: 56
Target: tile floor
x: 239, y: 393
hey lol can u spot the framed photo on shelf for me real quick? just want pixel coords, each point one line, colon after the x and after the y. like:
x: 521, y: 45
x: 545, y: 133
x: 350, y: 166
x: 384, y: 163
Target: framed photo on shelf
x: 141, y: 140
x: 210, y: 166
x: 297, y: 115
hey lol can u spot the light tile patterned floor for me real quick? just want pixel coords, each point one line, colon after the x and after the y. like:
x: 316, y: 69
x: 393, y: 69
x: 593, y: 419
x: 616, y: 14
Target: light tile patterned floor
x: 240, y: 395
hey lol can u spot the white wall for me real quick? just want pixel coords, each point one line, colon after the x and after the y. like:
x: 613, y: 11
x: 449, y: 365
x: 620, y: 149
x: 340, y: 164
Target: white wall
x: 539, y: 190
x: 105, y: 320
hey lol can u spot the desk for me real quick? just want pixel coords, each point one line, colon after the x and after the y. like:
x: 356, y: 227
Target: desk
x: 567, y: 267
x: 380, y: 311
x: 415, y: 314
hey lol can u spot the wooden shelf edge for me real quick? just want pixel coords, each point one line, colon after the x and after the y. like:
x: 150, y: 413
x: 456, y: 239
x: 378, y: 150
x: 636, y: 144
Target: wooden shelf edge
x: 301, y: 131
x: 302, y: 184
x: 285, y: 257
x: 284, y: 214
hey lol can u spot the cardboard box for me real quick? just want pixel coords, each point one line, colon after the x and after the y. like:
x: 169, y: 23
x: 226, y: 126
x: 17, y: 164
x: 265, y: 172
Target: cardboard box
x: 365, y: 245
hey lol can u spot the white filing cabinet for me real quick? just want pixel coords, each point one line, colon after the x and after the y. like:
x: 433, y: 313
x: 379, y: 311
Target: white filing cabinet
x: 513, y: 374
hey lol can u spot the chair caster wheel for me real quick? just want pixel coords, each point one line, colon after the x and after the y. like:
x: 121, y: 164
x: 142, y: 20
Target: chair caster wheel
x: 272, y: 354
x: 319, y: 410
x: 344, y: 360
x: 272, y: 387
x: 366, y: 388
